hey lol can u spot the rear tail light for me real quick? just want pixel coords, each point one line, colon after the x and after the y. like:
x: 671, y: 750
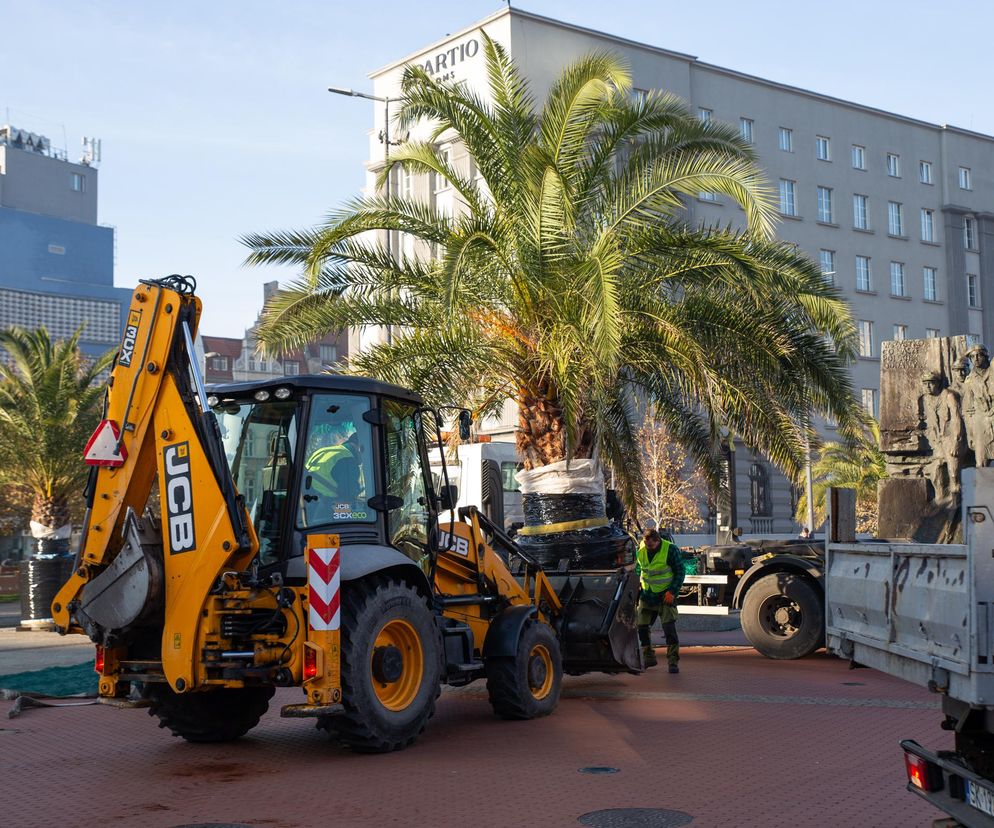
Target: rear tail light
x: 310, y: 662
x: 98, y: 660
x: 922, y: 774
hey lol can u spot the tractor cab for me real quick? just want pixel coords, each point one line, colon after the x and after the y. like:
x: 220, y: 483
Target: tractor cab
x: 328, y: 454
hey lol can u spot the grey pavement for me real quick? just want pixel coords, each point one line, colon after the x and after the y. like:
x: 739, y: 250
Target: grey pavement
x: 22, y: 651
x: 10, y: 614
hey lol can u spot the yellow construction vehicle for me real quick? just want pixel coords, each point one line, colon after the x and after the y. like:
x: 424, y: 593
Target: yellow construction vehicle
x: 287, y: 533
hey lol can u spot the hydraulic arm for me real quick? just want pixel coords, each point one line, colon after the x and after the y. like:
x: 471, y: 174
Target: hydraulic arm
x: 156, y: 426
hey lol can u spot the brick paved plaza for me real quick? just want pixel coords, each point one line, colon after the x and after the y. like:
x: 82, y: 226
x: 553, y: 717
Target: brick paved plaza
x: 734, y: 740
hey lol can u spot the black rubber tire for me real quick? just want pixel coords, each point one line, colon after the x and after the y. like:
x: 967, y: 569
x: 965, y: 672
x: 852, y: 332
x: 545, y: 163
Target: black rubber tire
x: 976, y: 747
x: 367, y: 726
x: 220, y: 715
x: 508, y: 684
x: 806, y: 602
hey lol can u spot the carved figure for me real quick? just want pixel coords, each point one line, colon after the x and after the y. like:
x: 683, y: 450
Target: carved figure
x: 943, y: 424
x: 978, y: 405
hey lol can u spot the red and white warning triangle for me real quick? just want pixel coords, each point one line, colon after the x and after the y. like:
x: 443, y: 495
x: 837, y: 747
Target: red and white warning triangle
x: 102, y: 448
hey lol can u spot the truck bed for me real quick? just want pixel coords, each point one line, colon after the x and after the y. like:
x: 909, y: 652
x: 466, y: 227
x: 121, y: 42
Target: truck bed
x: 921, y: 612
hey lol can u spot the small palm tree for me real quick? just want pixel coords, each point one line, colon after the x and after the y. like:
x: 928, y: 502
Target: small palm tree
x: 49, y: 407
x: 570, y: 281
x: 857, y: 464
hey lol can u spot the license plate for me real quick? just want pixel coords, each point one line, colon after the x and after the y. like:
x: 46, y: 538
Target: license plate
x: 980, y: 797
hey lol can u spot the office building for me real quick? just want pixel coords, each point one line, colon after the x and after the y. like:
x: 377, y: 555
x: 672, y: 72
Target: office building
x: 56, y: 260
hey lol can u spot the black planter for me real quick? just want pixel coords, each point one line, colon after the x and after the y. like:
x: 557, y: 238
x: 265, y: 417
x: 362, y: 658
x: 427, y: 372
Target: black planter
x: 41, y: 578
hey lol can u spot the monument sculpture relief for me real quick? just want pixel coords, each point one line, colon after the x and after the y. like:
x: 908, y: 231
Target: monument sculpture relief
x: 936, y: 417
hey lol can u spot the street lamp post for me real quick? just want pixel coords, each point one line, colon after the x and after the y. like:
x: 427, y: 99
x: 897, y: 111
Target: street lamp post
x: 384, y: 137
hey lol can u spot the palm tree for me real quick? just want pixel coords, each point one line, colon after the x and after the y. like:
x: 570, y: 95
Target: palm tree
x: 856, y: 463
x: 570, y: 280
x: 49, y: 406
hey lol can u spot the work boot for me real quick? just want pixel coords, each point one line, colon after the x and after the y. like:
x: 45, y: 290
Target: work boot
x: 649, y: 657
x: 674, y: 668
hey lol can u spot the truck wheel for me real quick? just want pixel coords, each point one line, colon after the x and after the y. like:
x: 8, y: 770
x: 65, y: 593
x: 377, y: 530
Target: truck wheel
x: 391, y: 666
x: 783, y: 616
x: 527, y: 685
x: 977, y: 748
x: 220, y: 715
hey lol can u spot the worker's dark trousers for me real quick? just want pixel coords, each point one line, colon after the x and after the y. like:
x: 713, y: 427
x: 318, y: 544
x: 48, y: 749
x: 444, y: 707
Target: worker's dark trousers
x: 669, y: 630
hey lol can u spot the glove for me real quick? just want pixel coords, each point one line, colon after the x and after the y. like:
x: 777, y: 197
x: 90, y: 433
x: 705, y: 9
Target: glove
x: 668, y: 598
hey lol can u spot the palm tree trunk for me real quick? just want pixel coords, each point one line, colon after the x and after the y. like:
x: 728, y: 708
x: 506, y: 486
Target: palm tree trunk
x: 541, y: 437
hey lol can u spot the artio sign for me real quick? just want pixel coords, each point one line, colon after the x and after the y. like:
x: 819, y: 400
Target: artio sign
x: 443, y: 64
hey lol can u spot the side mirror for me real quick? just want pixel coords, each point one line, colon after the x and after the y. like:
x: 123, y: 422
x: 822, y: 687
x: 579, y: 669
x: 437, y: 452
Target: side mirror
x: 448, y: 497
x: 465, y: 424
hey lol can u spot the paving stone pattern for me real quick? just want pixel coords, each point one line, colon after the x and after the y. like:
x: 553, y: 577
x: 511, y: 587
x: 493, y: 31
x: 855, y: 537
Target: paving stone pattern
x: 733, y: 740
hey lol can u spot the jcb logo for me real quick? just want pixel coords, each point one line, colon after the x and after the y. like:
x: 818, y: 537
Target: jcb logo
x: 179, y: 498
x: 454, y: 544
x: 130, y: 338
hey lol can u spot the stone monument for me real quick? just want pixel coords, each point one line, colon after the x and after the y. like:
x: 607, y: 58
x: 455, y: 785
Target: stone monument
x: 936, y: 417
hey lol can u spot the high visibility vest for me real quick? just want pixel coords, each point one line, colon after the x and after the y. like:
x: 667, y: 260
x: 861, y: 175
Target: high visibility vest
x: 321, y: 465
x: 655, y: 575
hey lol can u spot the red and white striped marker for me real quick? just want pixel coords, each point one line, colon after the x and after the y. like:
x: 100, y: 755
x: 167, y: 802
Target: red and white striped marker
x: 323, y: 586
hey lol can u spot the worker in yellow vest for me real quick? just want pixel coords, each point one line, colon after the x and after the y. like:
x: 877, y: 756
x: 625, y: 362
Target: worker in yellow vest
x: 659, y: 564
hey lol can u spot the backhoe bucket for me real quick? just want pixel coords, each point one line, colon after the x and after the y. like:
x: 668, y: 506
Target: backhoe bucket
x: 598, y: 633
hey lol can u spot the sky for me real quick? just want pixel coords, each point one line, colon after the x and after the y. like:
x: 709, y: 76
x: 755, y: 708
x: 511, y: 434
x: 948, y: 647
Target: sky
x: 215, y: 120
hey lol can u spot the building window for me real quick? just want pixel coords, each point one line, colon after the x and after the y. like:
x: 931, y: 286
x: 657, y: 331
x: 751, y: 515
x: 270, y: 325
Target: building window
x: 705, y: 115
x: 869, y: 397
x: 897, y: 279
x: 77, y: 182
x: 900, y: 333
x: 895, y: 218
x: 928, y: 225
x: 291, y: 368
x: 965, y: 180
x: 759, y: 490
x: 931, y: 290
x: 931, y: 333
x: 639, y: 96
x: 707, y: 195
x: 825, y: 212
x: 328, y: 353
x: 745, y: 128
x: 786, y: 139
x: 865, y: 338
x: 925, y: 172
x: 858, y: 157
x: 827, y: 258
x: 441, y: 182
x: 893, y: 165
x: 251, y: 364
x: 859, y: 212
x: 823, y: 148
x: 788, y: 204
x: 969, y: 233
x: 863, y: 273
x: 972, y: 290
x: 407, y: 184
x: 219, y: 363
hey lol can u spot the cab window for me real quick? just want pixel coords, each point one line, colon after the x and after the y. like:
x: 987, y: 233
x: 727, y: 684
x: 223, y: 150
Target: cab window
x: 338, y: 477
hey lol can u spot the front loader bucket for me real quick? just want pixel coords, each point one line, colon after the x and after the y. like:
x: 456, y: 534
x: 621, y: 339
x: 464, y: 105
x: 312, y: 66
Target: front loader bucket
x: 598, y: 633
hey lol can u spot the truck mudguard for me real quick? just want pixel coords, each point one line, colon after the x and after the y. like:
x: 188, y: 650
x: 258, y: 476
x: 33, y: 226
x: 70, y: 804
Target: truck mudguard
x: 778, y: 563
x: 364, y: 559
x: 505, y: 630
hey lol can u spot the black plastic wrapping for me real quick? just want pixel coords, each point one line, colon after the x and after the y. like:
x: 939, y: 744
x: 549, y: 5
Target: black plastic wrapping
x: 542, y: 509
x: 601, y: 547
x: 606, y: 547
x: 41, y: 579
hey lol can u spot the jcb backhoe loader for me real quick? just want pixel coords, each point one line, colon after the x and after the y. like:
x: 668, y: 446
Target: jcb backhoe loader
x: 297, y: 542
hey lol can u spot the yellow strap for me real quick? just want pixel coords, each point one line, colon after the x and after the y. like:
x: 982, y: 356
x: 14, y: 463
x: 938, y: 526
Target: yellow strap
x: 565, y: 526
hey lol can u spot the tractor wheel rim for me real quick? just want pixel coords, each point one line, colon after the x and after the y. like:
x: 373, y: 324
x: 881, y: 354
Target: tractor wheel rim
x: 540, y: 671
x: 401, y: 636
